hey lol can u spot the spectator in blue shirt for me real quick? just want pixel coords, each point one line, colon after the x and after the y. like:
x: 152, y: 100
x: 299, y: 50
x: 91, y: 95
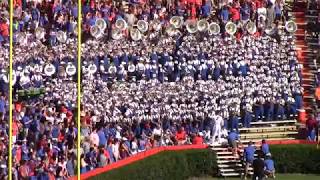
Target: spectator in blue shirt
x: 312, y: 135
x: 265, y: 147
x: 248, y: 156
x: 269, y: 167
x: 224, y: 14
x: 232, y: 139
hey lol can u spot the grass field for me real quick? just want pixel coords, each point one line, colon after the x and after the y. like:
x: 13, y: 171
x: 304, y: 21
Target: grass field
x: 278, y: 176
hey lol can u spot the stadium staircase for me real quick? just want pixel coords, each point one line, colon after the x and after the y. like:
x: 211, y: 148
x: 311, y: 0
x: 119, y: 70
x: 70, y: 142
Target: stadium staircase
x: 306, y: 46
x: 233, y: 165
x: 230, y: 165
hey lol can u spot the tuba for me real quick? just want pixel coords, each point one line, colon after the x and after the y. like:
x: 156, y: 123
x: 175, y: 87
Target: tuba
x: 62, y: 36
x: 96, y: 32
x: 71, y: 69
x: 176, y: 21
x: 49, y: 69
x: 251, y: 27
x: 291, y: 26
x: 191, y: 26
x: 171, y: 30
x: 101, y: 23
x: 231, y: 28
x: 135, y: 34
x: 112, y: 70
x: 143, y: 26
x: 92, y: 69
x: 21, y: 37
x: 214, y: 28
x: 39, y: 33
x: 121, y: 24
x: 271, y: 30
x: 202, y: 25
x: 116, y: 34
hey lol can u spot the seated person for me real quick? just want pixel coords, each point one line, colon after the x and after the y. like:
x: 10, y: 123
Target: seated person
x: 181, y: 136
x: 269, y: 169
x: 265, y: 147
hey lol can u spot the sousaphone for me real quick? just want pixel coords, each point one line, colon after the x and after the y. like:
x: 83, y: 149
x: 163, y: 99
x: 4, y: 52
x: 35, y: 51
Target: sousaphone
x: 231, y: 28
x: 116, y: 34
x: 92, y: 68
x: 135, y: 34
x: 21, y: 38
x: 40, y: 33
x: 96, y: 32
x: 49, y: 69
x: 291, y: 26
x: 191, y: 26
x: 71, y: 69
x: 121, y: 24
x: 214, y: 28
x: 176, y: 21
x: 143, y: 26
x: 62, y: 36
x: 251, y: 27
x: 202, y: 25
x: 101, y: 23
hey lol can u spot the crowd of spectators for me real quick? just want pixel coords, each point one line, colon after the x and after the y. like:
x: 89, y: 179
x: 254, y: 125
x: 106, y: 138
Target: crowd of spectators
x: 4, y: 105
x: 162, y: 90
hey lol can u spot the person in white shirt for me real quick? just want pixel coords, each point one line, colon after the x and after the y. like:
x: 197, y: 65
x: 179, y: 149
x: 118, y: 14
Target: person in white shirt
x: 217, y: 129
x: 94, y: 138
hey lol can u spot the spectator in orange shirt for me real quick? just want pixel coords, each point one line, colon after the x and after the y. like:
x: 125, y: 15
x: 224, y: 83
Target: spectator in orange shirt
x: 317, y: 95
x: 181, y: 136
x: 198, y: 139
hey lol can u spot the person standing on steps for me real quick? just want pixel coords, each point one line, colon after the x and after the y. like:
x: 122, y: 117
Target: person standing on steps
x: 258, y: 167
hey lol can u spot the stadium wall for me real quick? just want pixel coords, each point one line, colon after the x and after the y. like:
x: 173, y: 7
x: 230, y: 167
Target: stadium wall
x: 157, y: 150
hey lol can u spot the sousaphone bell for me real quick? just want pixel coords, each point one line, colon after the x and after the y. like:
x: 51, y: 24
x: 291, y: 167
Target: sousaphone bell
x: 121, y: 24
x: 214, y: 28
x: 251, y: 27
x: 135, y: 34
x: 143, y: 26
x: 62, y: 36
x: 49, y: 69
x: 176, y: 21
x: 291, y: 26
x: 202, y: 25
x: 40, y: 33
x: 191, y: 26
x: 96, y: 32
x: 71, y: 69
x: 231, y: 28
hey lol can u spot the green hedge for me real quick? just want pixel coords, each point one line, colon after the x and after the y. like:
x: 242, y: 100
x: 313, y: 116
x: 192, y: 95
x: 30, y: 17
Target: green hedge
x: 296, y: 158
x: 167, y: 165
